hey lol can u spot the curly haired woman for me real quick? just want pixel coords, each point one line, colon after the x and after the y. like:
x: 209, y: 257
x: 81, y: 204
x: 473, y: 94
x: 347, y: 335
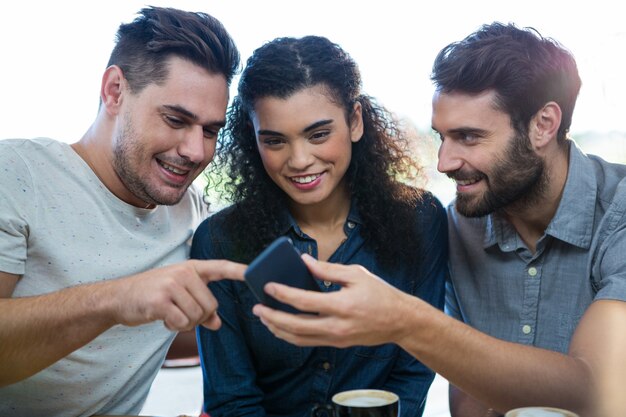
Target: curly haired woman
x: 310, y: 157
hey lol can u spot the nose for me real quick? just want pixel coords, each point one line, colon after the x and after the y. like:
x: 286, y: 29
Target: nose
x: 449, y: 157
x: 193, y: 147
x: 300, y: 156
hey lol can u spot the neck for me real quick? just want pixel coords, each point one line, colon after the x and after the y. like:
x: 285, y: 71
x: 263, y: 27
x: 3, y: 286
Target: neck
x: 95, y: 149
x: 531, y: 220
x: 324, y: 221
x: 327, y: 215
x: 90, y: 149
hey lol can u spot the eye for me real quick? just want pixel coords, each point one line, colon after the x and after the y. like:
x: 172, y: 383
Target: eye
x: 173, y: 121
x: 467, y: 136
x: 272, y: 141
x: 319, y: 136
x: 211, y: 132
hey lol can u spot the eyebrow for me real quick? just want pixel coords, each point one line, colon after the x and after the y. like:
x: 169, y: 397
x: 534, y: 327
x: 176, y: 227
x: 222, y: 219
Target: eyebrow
x: 191, y: 115
x: 472, y: 130
x: 465, y: 130
x: 305, y: 130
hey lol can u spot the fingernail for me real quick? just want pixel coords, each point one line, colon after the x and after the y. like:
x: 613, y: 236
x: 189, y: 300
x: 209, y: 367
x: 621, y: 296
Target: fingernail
x: 269, y: 289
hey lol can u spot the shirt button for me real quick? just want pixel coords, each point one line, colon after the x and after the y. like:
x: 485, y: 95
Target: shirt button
x: 326, y: 366
x: 532, y: 271
x: 526, y: 329
x: 351, y: 225
x: 309, y: 249
x: 327, y: 284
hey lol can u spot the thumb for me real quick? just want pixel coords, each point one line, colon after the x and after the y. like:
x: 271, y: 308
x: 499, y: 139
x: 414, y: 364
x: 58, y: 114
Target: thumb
x: 213, y: 322
x: 217, y: 269
x: 326, y: 271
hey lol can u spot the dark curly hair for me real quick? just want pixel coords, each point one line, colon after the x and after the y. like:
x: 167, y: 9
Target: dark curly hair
x: 380, y: 160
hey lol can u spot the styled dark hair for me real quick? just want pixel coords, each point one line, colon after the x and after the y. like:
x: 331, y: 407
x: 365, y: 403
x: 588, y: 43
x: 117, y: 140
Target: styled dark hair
x: 143, y: 46
x: 524, y: 69
x: 379, y: 161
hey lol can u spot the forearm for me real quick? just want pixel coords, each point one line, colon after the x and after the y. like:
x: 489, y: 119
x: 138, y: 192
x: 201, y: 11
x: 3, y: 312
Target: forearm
x: 38, y: 331
x: 463, y: 405
x: 41, y: 330
x: 499, y: 374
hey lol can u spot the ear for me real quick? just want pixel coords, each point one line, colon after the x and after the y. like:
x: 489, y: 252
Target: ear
x: 544, y: 126
x: 113, y: 83
x: 356, y: 122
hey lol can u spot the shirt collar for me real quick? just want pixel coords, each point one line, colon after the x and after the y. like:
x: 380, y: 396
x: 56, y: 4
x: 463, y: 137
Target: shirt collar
x: 288, y: 223
x: 573, y: 221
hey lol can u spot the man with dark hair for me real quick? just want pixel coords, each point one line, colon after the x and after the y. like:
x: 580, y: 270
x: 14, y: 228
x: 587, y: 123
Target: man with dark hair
x: 537, y: 242
x: 94, y: 236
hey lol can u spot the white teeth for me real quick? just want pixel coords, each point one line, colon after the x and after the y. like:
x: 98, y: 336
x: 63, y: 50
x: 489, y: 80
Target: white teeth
x: 305, y: 180
x: 172, y: 169
x: 466, y: 182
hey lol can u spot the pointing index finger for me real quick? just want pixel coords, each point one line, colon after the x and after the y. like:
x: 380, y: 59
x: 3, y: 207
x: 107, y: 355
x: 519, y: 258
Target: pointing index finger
x: 217, y: 269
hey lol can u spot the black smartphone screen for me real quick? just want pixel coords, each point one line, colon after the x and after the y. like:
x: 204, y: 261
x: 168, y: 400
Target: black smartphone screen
x: 279, y: 262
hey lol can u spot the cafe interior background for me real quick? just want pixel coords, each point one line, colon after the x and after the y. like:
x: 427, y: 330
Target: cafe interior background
x: 54, y: 54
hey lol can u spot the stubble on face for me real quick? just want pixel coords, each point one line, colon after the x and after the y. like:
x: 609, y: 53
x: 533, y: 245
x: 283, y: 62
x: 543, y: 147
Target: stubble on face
x: 128, y: 154
x: 518, y: 180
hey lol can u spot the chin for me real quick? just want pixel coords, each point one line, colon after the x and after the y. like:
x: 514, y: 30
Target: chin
x: 305, y: 201
x: 168, y: 199
x: 471, y: 208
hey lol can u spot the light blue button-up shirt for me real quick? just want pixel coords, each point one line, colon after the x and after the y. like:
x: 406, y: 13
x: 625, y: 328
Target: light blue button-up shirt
x: 500, y: 287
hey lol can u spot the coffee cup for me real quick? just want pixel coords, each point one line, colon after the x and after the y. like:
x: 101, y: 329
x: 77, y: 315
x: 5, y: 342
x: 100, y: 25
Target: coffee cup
x: 540, y: 412
x: 361, y: 403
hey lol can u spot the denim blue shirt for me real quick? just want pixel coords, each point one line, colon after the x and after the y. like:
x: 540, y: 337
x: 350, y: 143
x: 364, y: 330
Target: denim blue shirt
x: 247, y: 371
x: 501, y: 288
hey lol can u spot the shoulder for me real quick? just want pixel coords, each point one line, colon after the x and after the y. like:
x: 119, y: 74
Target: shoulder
x: 218, y: 221
x: 430, y: 215
x: 608, y: 177
x: 28, y: 149
x: 429, y: 209
x: 213, y: 232
x: 26, y: 160
x: 428, y: 203
x: 195, y: 198
x: 20, y: 145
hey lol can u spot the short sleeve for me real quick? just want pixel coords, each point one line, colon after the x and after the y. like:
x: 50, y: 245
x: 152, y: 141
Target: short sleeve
x: 608, y: 269
x: 611, y: 267
x: 17, y: 197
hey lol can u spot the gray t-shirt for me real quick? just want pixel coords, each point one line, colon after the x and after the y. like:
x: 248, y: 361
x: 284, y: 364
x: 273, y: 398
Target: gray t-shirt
x: 499, y: 287
x: 59, y: 227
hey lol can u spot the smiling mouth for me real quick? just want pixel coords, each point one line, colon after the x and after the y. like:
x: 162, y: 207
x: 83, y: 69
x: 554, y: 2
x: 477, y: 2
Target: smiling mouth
x: 306, y: 179
x: 464, y: 179
x: 467, y: 182
x: 171, y: 168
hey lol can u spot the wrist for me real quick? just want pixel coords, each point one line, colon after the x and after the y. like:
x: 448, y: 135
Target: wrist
x: 418, y: 327
x: 102, y: 302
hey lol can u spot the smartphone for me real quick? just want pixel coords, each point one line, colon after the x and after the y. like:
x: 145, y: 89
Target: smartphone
x: 279, y: 262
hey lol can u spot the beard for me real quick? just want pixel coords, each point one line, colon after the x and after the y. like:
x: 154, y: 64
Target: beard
x: 518, y: 179
x: 128, y: 153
